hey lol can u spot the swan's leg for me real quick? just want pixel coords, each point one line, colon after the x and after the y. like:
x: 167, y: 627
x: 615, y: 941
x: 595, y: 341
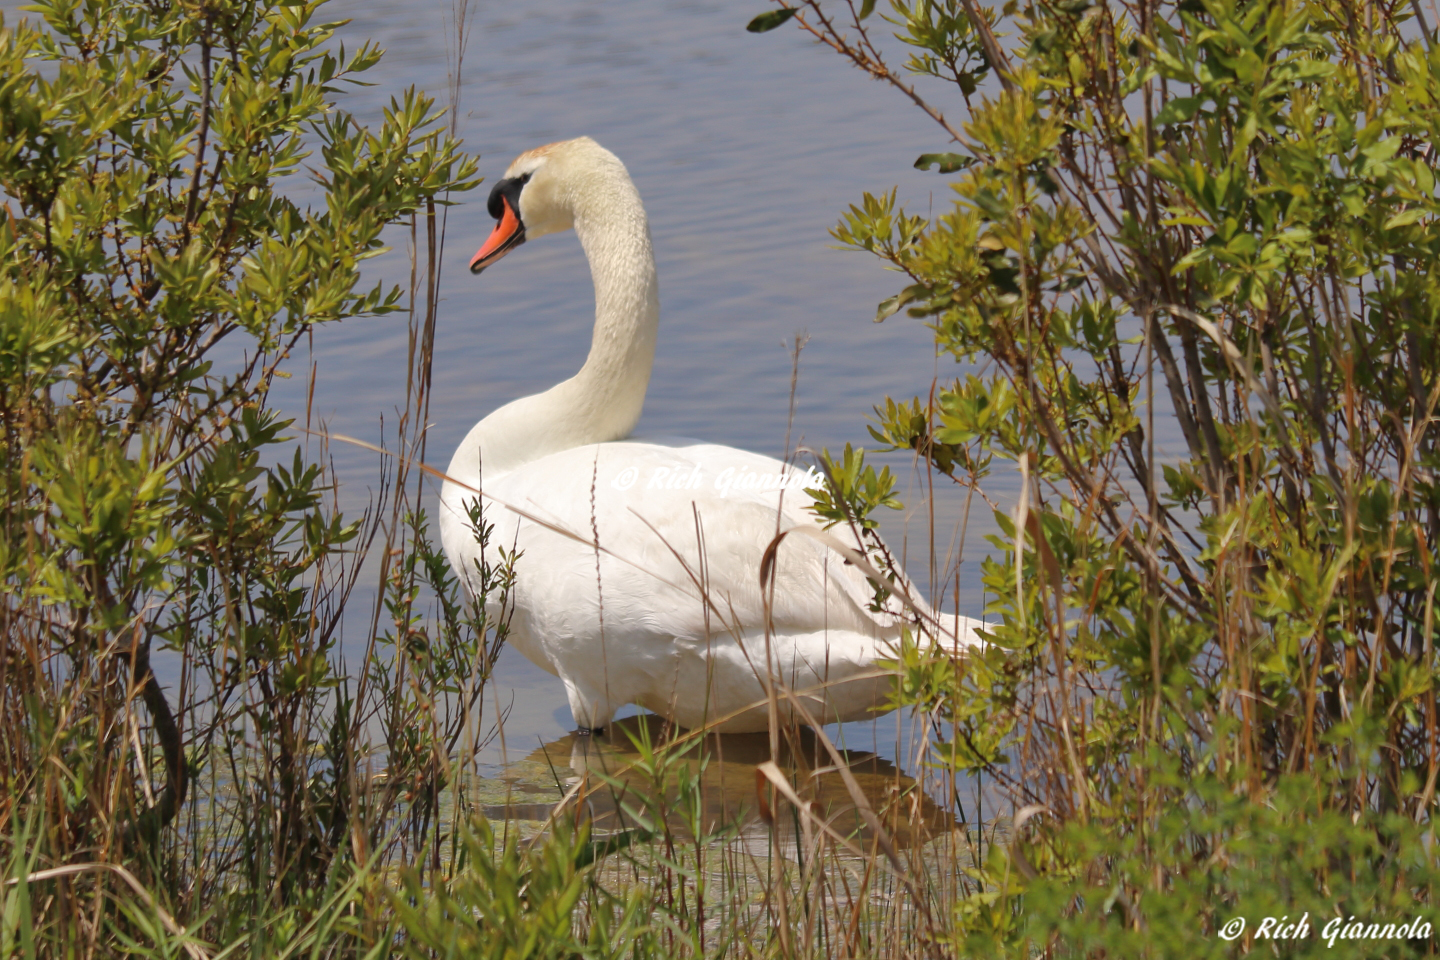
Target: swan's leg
x: 590, y: 707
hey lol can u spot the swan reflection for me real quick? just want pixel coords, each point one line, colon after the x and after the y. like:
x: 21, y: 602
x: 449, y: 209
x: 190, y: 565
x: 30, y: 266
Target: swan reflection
x: 643, y: 769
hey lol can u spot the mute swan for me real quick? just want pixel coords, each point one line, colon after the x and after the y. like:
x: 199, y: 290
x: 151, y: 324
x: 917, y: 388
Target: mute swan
x: 626, y: 623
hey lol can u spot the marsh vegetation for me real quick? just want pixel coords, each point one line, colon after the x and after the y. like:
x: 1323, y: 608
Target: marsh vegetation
x: 1211, y: 686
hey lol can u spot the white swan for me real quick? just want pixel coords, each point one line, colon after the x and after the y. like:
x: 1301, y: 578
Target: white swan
x: 627, y: 623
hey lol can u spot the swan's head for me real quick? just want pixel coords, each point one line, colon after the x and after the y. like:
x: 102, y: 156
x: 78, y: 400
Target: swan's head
x: 539, y: 193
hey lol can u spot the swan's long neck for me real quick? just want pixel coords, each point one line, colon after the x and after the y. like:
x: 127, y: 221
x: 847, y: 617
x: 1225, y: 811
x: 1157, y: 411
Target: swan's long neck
x: 603, y: 401
x: 610, y: 387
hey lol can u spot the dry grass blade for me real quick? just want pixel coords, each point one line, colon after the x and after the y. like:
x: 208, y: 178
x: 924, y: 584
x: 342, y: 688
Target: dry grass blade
x: 70, y: 870
x: 772, y: 773
x: 867, y: 813
x: 862, y: 563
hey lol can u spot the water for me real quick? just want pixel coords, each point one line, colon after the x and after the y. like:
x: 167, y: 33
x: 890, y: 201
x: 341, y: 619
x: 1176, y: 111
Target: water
x: 745, y: 149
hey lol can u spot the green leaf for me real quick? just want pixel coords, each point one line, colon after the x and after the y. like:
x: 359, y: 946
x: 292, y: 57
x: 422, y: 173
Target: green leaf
x: 1404, y: 218
x: 891, y: 305
x: 1187, y: 221
x: 867, y: 8
x: 888, y: 308
x: 770, y: 20
x: 991, y: 205
x: 945, y: 162
x: 1137, y: 79
x: 1179, y: 110
x: 593, y: 851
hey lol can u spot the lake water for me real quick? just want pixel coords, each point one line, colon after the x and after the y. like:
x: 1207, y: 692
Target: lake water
x: 745, y: 149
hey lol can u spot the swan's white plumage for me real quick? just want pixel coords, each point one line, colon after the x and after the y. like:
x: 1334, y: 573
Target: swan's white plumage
x: 636, y: 630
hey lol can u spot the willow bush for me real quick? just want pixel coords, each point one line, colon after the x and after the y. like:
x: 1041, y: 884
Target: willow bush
x: 182, y: 200
x: 1189, y: 260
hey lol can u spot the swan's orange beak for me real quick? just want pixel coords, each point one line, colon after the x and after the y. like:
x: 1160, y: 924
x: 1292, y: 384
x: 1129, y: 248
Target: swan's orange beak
x: 508, y: 234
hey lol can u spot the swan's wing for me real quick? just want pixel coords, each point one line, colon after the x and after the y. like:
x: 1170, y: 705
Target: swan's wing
x: 683, y: 528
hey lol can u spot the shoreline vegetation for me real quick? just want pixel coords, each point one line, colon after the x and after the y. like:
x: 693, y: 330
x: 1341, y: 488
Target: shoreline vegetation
x: 1206, y: 723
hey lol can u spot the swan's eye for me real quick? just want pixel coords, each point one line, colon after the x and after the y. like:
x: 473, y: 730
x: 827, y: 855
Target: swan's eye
x: 508, y: 188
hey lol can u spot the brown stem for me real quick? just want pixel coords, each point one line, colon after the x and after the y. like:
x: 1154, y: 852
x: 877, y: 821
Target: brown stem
x: 993, y: 51
x: 192, y: 205
x: 828, y: 35
x: 152, y: 821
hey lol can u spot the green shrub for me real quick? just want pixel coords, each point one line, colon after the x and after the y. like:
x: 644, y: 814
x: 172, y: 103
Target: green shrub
x: 156, y: 269
x: 517, y: 904
x: 1191, y: 243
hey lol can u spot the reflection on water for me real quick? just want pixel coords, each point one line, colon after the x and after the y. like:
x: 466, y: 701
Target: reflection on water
x: 714, y: 786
